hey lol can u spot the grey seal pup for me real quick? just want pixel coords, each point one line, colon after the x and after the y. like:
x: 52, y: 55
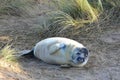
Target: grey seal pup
x: 61, y: 51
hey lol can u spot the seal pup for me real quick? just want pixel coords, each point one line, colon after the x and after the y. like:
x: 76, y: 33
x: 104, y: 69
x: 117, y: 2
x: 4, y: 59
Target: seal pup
x: 61, y: 51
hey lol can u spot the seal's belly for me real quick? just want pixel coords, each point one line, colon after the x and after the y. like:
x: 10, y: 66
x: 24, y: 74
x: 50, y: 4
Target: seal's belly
x: 42, y: 51
x: 44, y: 55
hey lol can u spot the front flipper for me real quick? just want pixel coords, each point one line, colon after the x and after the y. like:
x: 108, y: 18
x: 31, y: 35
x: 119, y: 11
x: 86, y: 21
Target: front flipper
x: 56, y: 47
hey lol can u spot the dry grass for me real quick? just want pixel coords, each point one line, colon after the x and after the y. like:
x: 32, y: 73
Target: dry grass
x: 9, y: 60
x: 75, y: 14
x: 8, y: 54
x: 78, y: 9
x: 78, y: 13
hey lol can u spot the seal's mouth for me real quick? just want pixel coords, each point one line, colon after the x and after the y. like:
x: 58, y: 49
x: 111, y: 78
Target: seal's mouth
x: 80, y: 63
x: 79, y: 59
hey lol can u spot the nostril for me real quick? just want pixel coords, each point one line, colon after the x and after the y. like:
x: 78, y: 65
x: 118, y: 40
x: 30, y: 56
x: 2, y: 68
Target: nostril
x: 86, y: 55
x: 83, y: 60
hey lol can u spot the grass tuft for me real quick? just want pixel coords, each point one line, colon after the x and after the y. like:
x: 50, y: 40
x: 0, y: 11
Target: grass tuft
x: 78, y: 9
x: 8, y: 54
x: 60, y: 19
x: 71, y: 13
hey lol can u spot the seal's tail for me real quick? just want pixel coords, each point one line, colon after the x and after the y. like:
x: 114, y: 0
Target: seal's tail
x: 27, y: 52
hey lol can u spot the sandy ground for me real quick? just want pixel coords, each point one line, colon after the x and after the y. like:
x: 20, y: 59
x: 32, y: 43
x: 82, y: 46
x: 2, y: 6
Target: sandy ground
x: 104, y: 62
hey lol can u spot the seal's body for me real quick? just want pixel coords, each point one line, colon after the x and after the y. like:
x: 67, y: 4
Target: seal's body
x: 62, y: 51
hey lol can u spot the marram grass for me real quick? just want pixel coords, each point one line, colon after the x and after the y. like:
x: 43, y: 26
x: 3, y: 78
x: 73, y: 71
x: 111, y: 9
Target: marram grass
x: 72, y: 13
x: 96, y: 4
x: 59, y: 19
x: 78, y: 9
x: 8, y: 54
x: 76, y: 13
x: 9, y: 60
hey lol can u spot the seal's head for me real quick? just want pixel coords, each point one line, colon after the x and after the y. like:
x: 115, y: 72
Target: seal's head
x: 79, y: 56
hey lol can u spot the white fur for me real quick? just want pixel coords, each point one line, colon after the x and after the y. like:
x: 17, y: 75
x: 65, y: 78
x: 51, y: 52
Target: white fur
x: 49, y: 51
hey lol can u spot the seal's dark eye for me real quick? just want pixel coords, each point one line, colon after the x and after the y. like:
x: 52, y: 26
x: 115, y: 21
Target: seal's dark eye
x: 85, y: 51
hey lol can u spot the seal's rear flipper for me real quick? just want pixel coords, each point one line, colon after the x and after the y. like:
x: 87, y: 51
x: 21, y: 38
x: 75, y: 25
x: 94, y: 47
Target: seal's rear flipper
x: 27, y: 53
